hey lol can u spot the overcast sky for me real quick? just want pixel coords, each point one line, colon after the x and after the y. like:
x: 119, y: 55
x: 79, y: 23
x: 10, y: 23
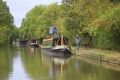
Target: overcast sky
x: 19, y: 8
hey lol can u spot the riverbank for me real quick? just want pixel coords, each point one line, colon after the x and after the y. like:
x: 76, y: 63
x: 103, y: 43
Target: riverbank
x: 100, y: 55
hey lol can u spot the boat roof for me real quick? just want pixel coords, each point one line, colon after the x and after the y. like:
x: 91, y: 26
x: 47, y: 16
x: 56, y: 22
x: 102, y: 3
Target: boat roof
x: 54, y: 37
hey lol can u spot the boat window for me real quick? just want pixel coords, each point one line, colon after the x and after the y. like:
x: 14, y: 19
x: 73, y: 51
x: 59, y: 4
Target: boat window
x: 65, y: 41
x: 47, y: 43
x: 59, y: 41
x: 54, y: 42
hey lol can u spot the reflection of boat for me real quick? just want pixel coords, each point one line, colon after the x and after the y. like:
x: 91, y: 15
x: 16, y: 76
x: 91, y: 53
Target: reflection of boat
x: 56, y: 65
x: 56, y: 46
x: 55, y: 60
x: 32, y: 50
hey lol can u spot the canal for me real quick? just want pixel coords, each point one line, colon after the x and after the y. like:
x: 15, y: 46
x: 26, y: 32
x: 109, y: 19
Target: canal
x: 30, y: 64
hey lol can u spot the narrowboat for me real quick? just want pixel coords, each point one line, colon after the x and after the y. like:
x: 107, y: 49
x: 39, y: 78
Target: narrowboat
x: 56, y: 46
x: 33, y: 43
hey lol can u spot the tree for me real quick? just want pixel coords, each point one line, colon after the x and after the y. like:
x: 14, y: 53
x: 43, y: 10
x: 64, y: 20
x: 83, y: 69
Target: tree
x: 97, y: 21
x: 50, y: 17
x: 6, y: 23
x: 39, y: 19
x: 108, y: 32
x: 31, y: 22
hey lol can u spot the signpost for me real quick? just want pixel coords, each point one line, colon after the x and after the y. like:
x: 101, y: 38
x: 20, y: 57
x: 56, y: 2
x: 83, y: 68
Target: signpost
x: 53, y: 30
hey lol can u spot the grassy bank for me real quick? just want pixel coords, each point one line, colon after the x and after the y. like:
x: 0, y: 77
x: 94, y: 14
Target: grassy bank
x: 101, y: 55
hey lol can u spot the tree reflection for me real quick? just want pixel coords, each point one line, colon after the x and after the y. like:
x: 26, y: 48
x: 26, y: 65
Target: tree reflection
x: 39, y: 66
x: 6, y: 62
x: 89, y: 71
x: 33, y: 64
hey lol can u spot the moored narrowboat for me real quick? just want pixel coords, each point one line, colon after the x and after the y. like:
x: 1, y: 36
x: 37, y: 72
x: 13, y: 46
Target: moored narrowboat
x: 33, y: 43
x: 56, y: 46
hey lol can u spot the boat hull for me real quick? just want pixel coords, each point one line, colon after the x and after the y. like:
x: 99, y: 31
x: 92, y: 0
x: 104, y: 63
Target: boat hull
x: 56, y: 53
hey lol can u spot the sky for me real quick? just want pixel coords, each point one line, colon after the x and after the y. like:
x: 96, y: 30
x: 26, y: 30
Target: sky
x: 19, y: 8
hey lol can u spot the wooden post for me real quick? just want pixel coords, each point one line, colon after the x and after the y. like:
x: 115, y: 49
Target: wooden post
x: 61, y: 40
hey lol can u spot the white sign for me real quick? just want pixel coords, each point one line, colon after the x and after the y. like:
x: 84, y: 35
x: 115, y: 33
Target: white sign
x: 53, y: 30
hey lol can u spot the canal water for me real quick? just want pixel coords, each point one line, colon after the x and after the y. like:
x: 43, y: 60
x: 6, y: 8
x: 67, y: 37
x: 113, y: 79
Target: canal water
x: 27, y: 63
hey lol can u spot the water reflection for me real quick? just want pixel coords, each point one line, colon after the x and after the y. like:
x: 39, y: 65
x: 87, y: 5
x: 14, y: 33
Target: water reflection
x: 40, y: 66
x: 84, y: 70
x: 31, y: 59
x: 27, y: 63
x: 5, y: 63
x: 56, y: 65
x: 32, y: 50
x: 18, y: 72
x: 7, y: 55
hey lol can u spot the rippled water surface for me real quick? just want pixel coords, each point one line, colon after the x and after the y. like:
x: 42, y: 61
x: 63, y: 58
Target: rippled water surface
x: 30, y: 64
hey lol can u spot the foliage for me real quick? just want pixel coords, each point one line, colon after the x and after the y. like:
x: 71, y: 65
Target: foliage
x: 109, y: 32
x: 84, y: 17
x: 39, y: 19
x: 96, y: 21
x: 51, y: 17
x: 6, y: 24
x: 31, y: 22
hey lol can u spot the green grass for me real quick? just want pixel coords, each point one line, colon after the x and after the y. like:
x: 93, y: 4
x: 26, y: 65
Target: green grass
x: 102, y: 55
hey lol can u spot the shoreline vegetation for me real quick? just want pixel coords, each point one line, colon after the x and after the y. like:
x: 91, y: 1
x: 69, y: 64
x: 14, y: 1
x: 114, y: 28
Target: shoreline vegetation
x: 112, y: 57
x: 97, y: 22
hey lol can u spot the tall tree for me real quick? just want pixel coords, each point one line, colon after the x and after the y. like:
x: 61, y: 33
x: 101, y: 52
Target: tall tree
x: 39, y: 19
x: 6, y: 23
x: 50, y: 17
x: 31, y: 22
x: 72, y: 19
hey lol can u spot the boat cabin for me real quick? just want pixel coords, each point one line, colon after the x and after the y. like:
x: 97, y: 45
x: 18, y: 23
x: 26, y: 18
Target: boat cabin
x: 55, y: 41
x: 60, y: 41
